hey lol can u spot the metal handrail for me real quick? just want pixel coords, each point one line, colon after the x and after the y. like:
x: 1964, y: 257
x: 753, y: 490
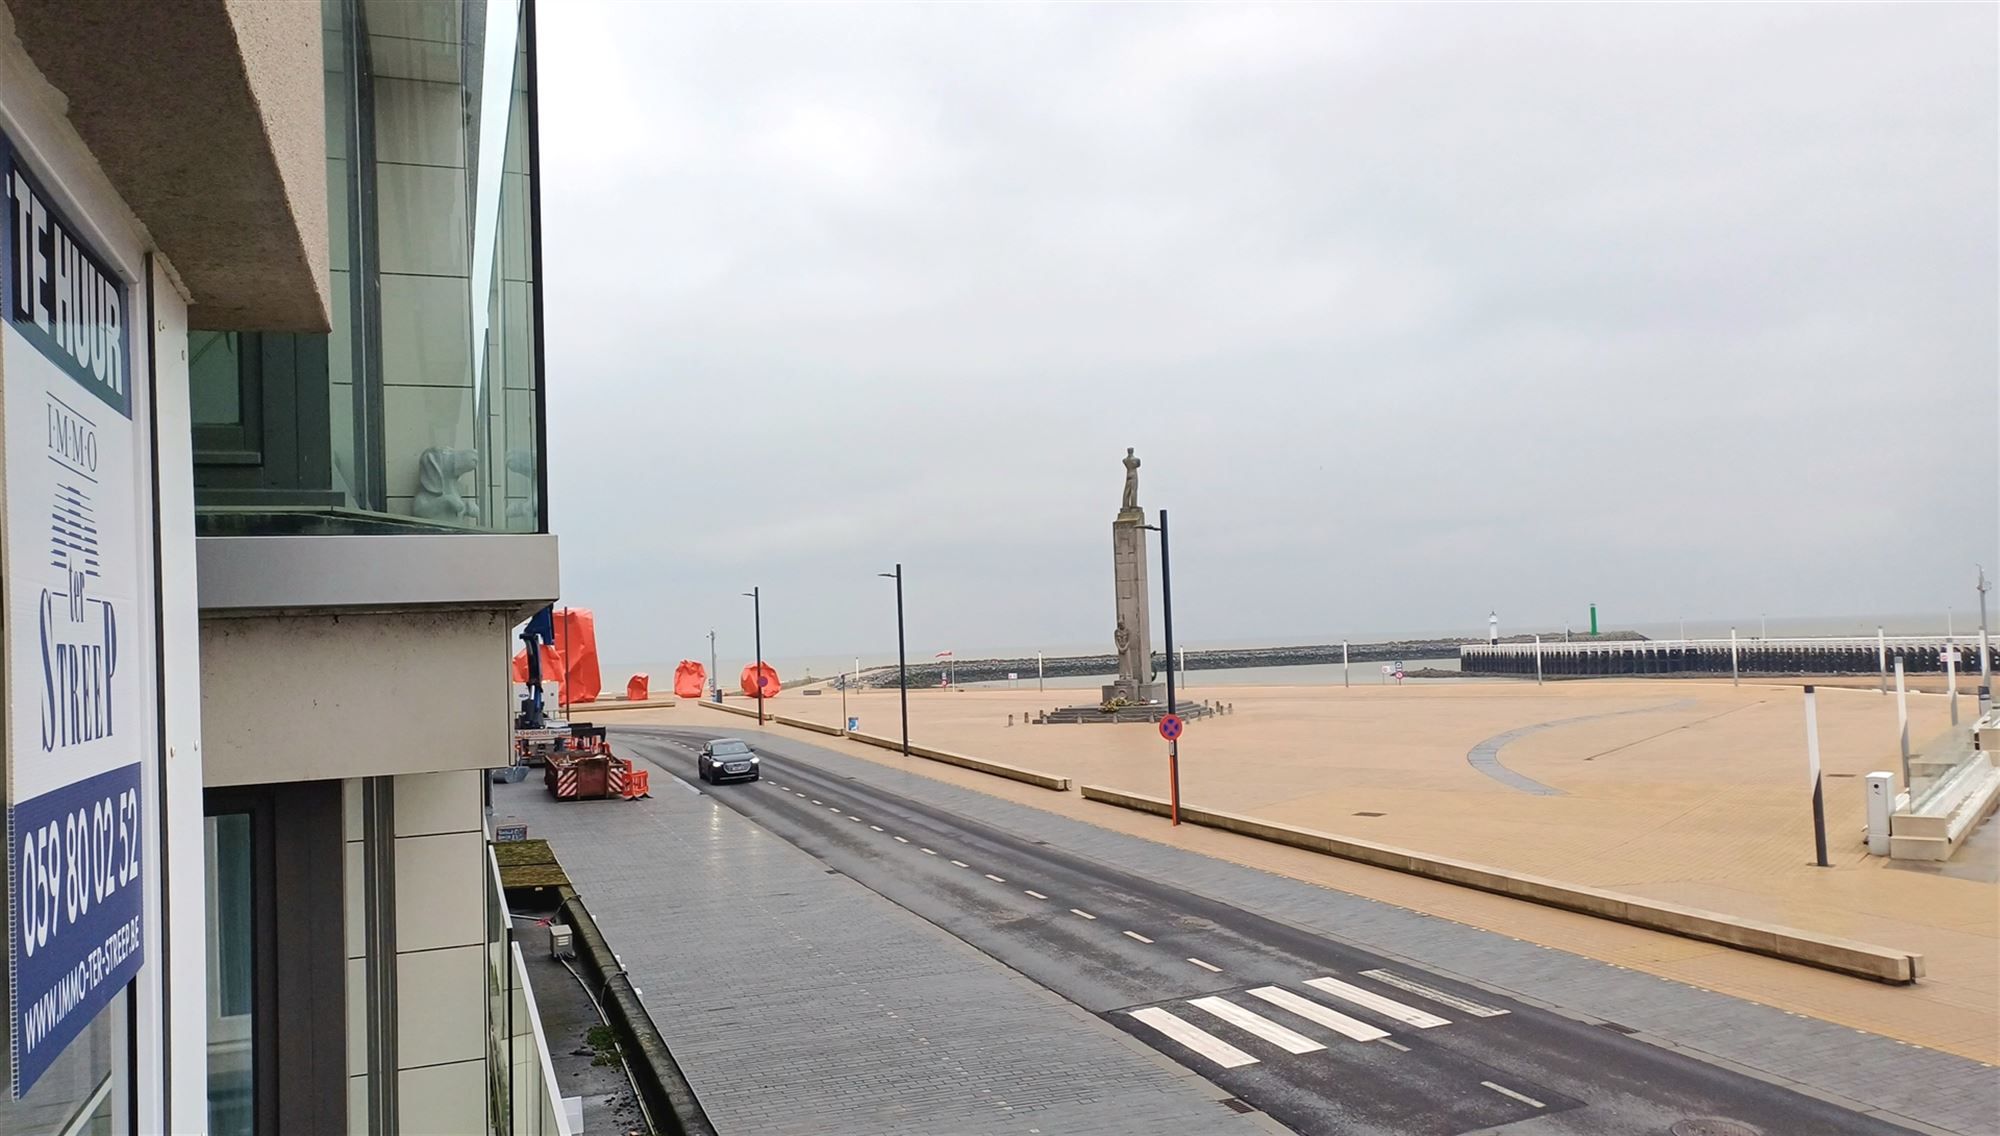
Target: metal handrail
x: 1930, y: 642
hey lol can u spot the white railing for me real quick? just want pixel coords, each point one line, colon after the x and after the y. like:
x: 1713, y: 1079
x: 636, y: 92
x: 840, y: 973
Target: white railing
x: 1742, y: 642
x: 526, y: 1098
x: 538, y: 1109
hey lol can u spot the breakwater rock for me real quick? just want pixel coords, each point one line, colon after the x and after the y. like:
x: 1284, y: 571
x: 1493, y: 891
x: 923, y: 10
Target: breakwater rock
x: 930, y: 672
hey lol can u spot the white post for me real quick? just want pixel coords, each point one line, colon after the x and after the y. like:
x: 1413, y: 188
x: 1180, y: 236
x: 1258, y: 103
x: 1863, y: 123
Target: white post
x: 1735, y: 675
x: 1343, y: 664
x: 1183, y: 651
x: 1038, y: 670
x: 1812, y: 771
x: 1882, y: 656
x: 1951, y: 679
x: 1538, y: 659
x: 1903, y: 722
x: 1881, y: 804
x: 1985, y: 662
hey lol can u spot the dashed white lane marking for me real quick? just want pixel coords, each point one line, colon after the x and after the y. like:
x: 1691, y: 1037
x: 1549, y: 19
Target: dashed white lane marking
x: 928, y: 852
x: 796, y: 793
x: 1199, y: 1040
x: 1138, y: 936
x: 834, y: 809
x: 1507, y: 1092
x: 1387, y: 1007
x: 994, y: 878
x: 1288, y: 1040
x: 816, y: 802
x: 1207, y: 966
x: 1036, y: 894
x: 876, y: 827
x: 855, y: 819
x: 960, y: 864
x: 1314, y: 1012
x: 1082, y: 912
x: 1391, y: 978
x: 1395, y: 1045
x: 902, y: 839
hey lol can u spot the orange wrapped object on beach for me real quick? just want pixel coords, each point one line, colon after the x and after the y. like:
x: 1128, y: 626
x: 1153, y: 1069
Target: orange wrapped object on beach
x: 551, y: 664
x: 636, y: 689
x: 770, y: 677
x: 690, y: 679
x: 576, y: 651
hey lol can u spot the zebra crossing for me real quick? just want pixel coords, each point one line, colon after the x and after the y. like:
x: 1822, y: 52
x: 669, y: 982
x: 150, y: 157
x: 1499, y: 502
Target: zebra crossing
x: 1339, y: 1007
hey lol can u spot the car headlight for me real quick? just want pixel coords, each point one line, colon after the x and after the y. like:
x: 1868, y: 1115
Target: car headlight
x: 753, y: 759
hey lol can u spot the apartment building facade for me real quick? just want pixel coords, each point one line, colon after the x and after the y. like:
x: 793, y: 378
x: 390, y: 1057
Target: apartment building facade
x: 271, y: 383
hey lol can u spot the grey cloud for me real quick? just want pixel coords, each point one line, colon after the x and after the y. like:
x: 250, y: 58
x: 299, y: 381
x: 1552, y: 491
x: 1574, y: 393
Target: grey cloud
x: 1413, y: 311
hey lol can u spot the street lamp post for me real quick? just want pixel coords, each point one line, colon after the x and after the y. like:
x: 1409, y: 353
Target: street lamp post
x: 714, y: 669
x: 1167, y: 613
x: 757, y: 614
x: 1985, y: 663
x: 902, y: 656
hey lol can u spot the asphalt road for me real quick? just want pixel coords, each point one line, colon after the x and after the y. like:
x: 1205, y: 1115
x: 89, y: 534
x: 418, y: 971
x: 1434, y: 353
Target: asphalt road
x: 1320, y: 1034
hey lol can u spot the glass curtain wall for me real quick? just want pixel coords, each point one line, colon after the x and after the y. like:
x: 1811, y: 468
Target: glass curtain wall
x: 422, y: 409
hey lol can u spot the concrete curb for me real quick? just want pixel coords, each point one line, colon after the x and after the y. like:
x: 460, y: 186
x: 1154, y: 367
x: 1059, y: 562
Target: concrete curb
x: 1033, y: 777
x: 977, y: 764
x: 1846, y: 956
x: 669, y: 1099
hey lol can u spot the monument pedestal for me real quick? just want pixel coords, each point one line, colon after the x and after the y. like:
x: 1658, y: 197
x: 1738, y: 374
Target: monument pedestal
x: 1138, y: 693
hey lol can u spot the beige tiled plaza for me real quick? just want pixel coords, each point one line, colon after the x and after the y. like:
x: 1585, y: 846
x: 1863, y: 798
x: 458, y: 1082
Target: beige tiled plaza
x: 1693, y: 792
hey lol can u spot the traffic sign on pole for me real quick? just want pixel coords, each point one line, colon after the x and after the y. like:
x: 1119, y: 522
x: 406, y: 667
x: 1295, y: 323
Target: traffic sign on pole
x: 1171, y: 726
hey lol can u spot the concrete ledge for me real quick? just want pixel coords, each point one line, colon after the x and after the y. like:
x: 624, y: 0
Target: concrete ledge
x: 977, y: 764
x: 736, y: 710
x: 1846, y: 956
x: 581, y: 710
x: 815, y: 727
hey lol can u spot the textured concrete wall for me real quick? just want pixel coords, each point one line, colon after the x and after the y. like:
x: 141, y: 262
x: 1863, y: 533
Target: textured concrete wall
x: 303, y: 697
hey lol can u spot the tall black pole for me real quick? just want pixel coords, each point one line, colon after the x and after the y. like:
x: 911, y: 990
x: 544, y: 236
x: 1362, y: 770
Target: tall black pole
x: 902, y: 662
x: 902, y: 656
x: 1173, y: 707
x: 757, y: 617
x: 1167, y: 609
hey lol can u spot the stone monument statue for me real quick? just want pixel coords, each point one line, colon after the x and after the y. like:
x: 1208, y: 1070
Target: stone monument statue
x: 1133, y: 636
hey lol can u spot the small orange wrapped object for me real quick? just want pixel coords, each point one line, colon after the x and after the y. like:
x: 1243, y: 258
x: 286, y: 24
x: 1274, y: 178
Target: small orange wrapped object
x: 635, y: 690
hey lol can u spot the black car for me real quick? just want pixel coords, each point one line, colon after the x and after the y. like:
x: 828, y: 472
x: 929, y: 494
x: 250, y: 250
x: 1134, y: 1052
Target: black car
x: 726, y: 759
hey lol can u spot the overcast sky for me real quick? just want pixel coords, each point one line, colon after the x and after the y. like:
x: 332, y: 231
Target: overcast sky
x: 1412, y: 312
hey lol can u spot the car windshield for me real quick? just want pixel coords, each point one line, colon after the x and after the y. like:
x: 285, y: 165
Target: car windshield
x: 729, y: 749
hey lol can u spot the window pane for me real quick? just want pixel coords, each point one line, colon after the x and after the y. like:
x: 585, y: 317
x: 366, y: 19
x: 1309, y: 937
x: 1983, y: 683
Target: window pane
x: 214, y: 380
x: 231, y: 1083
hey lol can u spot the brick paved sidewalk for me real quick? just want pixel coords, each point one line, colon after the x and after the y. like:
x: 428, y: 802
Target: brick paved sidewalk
x: 799, y: 1002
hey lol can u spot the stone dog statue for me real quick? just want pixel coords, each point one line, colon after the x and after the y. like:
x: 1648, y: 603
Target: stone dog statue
x: 438, y: 498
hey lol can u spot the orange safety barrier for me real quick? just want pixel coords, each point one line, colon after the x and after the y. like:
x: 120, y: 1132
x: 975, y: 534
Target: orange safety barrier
x: 638, y: 783
x: 635, y: 690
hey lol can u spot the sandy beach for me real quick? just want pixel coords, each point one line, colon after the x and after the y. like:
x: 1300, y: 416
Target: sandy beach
x: 1686, y: 791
